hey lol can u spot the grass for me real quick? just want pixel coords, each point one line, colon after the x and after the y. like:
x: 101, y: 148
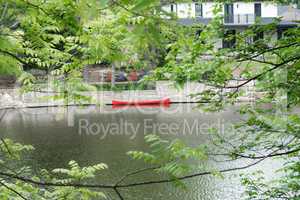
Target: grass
x: 124, y: 86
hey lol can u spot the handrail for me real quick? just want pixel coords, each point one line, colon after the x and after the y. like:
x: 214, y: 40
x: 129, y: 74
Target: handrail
x: 239, y: 19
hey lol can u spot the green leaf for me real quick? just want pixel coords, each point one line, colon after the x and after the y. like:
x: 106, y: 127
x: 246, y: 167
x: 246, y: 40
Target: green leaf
x: 143, y: 4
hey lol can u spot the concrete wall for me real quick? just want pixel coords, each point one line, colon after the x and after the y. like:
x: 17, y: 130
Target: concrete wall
x: 269, y: 9
x: 242, y: 8
x: 186, y: 10
x: 208, y: 10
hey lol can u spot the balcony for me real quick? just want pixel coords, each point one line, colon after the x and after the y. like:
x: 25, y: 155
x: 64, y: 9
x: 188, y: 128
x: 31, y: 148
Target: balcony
x: 240, y: 19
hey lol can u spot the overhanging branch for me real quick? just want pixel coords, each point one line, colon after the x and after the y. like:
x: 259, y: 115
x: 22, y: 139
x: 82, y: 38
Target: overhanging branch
x: 276, y: 66
x: 104, y: 186
x: 13, y: 190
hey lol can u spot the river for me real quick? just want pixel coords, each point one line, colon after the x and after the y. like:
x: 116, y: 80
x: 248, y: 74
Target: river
x: 103, y: 135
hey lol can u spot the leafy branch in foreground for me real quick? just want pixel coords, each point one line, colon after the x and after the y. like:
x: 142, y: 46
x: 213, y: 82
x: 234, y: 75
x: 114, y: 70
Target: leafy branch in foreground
x: 56, y: 36
x: 55, y: 187
x: 173, y: 158
x: 23, y: 188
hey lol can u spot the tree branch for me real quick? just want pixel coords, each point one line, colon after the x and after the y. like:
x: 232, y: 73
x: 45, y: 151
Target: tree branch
x: 134, y: 173
x: 53, y: 184
x: 268, y: 51
x: 107, y: 7
x: 6, y: 147
x: 127, y: 9
x: 115, y: 187
x: 36, y: 6
x: 258, y: 157
x: 4, y: 11
x: 13, y: 55
x: 13, y: 190
x: 118, y: 193
x: 189, y: 176
x: 103, y: 186
x: 2, y: 116
x: 276, y: 66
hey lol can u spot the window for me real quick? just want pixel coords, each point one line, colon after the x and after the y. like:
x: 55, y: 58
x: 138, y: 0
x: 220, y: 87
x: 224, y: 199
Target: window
x: 257, y: 9
x: 229, y: 39
x: 174, y: 8
x: 198, y: 10
x: 229, y: 14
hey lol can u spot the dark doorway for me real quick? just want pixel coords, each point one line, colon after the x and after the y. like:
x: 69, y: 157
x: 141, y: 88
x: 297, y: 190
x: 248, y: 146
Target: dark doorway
x: 229, y: 39
x: 283, y: 32
x: 258, y: 36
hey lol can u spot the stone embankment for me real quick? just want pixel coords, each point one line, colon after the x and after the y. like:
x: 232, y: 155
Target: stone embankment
x: 13, y: 98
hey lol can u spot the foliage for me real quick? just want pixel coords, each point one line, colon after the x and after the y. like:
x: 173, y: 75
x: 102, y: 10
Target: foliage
x: 270, y: 128
x: 62, y: 36
x: 77, y: 174
x: 170, y: 156
x: 11, y: 153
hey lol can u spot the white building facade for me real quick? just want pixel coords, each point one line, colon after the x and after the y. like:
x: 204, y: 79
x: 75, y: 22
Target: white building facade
x: 205, y: 10
x: 237, y: 16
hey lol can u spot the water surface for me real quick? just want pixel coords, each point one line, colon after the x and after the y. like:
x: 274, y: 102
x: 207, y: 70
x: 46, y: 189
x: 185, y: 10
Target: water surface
x: 92, y: 135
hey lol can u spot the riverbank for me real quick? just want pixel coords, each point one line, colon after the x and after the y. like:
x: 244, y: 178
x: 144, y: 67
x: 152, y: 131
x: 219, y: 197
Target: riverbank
x: 13, y: 98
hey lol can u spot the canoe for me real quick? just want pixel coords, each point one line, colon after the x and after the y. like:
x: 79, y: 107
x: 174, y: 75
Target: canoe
x: 141, y: 106
x: 164, y: 101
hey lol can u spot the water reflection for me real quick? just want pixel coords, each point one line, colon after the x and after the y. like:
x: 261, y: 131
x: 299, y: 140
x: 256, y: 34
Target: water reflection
x: 93, y: 135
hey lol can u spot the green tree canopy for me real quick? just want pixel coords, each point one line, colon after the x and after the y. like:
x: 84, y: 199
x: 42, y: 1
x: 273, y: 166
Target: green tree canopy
x: 62, y: 36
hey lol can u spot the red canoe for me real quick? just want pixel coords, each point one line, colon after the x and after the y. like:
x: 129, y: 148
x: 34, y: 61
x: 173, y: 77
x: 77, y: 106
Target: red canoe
x: 141, y: 106
x: 165, y: 101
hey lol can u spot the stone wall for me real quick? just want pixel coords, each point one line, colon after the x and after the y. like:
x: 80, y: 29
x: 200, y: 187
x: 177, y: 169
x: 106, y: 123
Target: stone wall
x: 7, y: 81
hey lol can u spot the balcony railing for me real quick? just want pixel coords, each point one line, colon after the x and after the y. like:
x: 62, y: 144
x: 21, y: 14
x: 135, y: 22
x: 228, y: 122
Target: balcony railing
x: 239, y: 19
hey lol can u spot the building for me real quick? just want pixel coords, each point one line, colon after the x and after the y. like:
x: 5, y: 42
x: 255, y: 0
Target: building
x: 237, y: 16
